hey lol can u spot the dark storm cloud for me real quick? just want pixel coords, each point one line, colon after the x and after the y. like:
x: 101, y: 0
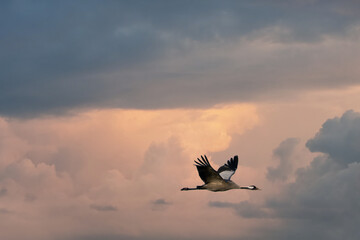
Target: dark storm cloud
x: 283, y: 153
x: 340, y: 138
x: 55, y: 56
x: 323, y: 202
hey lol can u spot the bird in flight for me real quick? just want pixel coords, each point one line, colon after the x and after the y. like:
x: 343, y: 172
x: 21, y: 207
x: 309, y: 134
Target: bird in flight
x: 218, y: 180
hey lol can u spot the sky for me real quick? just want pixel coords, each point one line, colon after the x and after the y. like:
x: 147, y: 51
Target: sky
x: 104, y: 106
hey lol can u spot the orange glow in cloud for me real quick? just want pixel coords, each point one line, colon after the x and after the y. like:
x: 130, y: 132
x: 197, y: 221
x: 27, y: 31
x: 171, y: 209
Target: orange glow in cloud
x: 106, y: 163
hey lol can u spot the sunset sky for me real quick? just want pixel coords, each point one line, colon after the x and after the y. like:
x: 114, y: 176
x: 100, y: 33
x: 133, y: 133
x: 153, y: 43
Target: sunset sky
x: 104, y: 106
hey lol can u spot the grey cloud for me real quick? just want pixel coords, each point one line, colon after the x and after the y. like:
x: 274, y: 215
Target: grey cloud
x: 5, y: 211
x: 339, y: 138
x: 57, y: 56
x: 103, y: 208
x: 29, y: 197
x: 3, y: 192
x: 160, y: 204
x: 319, y: 201
x: 161, y: 201
x: 99, y: 237
x: 323, y: 201
x: 128, y: 237
x: 244, y: 209
x: 283, y: 153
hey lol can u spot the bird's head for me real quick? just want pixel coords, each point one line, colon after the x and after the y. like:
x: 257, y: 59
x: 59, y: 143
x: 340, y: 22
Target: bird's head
x: 253, y: 187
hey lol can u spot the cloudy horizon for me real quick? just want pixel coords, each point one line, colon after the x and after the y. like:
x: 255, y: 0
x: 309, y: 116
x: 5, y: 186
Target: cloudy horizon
x: 104, y: 105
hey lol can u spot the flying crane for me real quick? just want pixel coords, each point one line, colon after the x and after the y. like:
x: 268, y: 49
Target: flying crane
x: 218, y: 180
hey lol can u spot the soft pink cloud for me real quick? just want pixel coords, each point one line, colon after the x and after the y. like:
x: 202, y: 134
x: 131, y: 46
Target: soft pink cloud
x: 100, y: 172
x: 118, y: 172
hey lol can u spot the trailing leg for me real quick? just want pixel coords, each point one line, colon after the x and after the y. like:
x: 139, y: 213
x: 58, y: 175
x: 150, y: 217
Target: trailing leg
x: 188, y: 189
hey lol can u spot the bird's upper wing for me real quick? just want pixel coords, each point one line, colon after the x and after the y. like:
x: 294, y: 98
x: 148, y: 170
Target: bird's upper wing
x: 229, y: 168
x: 206, y: 172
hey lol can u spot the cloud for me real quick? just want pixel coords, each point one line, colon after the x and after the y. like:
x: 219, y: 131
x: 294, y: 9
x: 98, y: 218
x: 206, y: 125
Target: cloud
x: 284, y: 153
x: 322, y: 202
x: 340, y: 138
x: 244, y: 209
x: 103, y: 208
x: 112, y: 172
x: 3, y: 192
x: 162, y: 55
x: 160, y: 204
x: 161, y: 201
x: 4, y: 211
x: 29, y: 197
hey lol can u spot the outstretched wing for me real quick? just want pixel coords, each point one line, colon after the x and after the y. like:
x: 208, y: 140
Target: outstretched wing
x: 229, y: 168
x: 206, y: 172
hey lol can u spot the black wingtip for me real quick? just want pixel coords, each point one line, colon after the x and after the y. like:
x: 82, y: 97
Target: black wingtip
x: 203, y: 161
x: 207, y: 161
x: 236, y: 160
x: 232, y: 163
